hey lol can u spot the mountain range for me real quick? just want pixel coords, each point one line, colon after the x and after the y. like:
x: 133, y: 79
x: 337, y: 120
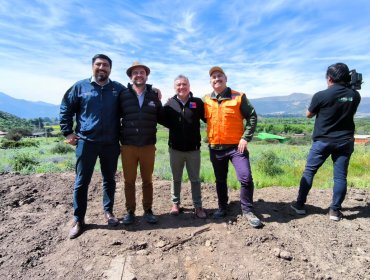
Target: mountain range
x: 294, y: 105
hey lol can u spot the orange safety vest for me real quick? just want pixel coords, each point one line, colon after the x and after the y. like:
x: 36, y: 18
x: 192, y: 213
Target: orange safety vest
x: 224, y: 120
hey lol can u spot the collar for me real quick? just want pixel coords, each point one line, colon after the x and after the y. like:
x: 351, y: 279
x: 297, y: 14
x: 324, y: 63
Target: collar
x: 92, y: 80
x: 183, y: 102
x: 226, y: 94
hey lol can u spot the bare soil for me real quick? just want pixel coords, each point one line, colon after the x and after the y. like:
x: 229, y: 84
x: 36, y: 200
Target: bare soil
x: 36, y: 211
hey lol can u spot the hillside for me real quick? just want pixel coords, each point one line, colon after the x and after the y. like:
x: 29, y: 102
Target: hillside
x: 292, y: 105
x: 296, y: 104
x: 27, y: 109
x: 8, y: 121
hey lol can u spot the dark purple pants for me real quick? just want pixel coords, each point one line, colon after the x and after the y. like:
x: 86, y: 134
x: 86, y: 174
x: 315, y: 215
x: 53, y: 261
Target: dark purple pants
x: 220, y: 161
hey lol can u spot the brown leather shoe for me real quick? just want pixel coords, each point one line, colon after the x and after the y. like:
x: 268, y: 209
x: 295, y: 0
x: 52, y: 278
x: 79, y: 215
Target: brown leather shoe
x: 76, y: 230
x: 200, y: 213
x: 111, y: 219
x: 175, y: 210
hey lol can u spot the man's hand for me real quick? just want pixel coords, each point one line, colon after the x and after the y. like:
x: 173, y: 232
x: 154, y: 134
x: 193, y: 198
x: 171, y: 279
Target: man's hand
x: 310, y: 114
x: 243, y: 146
x: 71, y: 139
x: 159, y: 93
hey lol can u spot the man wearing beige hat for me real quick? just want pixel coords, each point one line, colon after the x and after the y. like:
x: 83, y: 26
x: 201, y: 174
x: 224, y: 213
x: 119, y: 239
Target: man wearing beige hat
x: 228, y: 137
x: 140, y: 112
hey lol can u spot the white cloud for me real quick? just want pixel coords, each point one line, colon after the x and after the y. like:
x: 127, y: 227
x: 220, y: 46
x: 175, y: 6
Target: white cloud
x: 269, y: 48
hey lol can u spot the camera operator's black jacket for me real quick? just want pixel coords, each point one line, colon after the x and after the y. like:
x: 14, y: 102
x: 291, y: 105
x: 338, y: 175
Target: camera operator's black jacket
x: 183, y: 122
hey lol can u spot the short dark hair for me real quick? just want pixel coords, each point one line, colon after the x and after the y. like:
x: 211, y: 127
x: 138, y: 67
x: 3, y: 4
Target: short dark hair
x: 102, y: 56
x: 339, y: 73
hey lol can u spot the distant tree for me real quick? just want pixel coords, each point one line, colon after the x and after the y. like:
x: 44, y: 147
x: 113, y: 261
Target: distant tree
x: 38, y: 123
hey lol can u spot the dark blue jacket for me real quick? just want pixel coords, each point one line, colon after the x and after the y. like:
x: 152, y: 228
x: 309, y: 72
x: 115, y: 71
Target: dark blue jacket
x: 139, y: 125
x: 96, y: 111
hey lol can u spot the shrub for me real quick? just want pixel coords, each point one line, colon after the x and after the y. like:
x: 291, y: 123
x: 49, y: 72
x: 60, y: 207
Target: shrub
x: 12, y: 144
x: 61, y: 148
x: 16, y: 134
x: 24, y: 162
x: 268, y: 164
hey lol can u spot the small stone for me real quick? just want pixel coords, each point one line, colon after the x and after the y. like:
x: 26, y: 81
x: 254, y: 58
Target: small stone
x: 142, y: 252
x: 358, y: 198
x: 276, y: 252
x: 160, y: 244
x: 208, y: 243
x: 286, y: 255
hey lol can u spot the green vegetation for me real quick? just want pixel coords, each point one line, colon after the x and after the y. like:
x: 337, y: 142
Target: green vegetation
x: 12, y: 144
x: 40, y: 156
x: 290, y: 126
x: 9, y: 121
x: 61, y: 148
x: 16, y: 134
x: 273, y: 163
x: 24, y: 162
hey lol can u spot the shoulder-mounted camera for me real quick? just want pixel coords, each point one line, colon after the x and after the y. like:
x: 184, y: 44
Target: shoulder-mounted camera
x: 356, y: 80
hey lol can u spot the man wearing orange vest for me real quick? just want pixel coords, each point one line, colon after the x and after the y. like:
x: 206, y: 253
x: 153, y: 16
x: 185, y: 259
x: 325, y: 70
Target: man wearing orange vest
x: 228, y: 137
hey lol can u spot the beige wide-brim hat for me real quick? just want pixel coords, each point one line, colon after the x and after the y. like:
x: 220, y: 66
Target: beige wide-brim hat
x: 137, y: 64
x: 216, y: 68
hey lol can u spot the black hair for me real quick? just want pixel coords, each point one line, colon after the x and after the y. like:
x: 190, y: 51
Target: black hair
x: 102, y: 56
x: 339, y: 73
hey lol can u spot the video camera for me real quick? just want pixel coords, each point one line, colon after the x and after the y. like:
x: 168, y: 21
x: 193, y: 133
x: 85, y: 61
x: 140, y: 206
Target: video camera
x: 356, y: 80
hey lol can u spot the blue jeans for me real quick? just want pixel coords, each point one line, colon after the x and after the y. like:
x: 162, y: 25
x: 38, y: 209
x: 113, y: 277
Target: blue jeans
x: 86, y: 155
x: 220, y: 161
x: 319, y: 152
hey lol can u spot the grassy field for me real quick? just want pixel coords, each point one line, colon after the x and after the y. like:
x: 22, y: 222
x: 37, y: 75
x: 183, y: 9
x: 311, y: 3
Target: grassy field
x: 272, y: 164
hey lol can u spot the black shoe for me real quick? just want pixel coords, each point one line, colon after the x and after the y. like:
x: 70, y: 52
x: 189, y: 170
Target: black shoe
x: 335, y: 215
x: 219, y: 214
x: 299, y: 209
x: 111, y: 219
x: 150, y: 217
x: 76, y: 230
x: 129, y: 218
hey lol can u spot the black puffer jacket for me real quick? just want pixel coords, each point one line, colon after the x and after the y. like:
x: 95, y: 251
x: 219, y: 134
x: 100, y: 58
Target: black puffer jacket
x: 139, y: 125
x: 184, y: 123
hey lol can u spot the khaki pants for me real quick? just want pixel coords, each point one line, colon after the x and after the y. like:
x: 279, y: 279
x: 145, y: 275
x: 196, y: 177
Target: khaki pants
x: 132, y: 157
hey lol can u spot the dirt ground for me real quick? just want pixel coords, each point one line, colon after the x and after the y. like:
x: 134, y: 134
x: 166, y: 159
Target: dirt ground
x: 36, y: 211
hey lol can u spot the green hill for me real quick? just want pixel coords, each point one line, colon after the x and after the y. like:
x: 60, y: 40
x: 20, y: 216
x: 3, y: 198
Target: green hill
x: 9, y: 121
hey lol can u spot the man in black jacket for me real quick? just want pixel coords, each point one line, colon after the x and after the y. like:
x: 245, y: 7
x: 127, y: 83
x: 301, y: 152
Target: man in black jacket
x: 182, y: 115
x: 140, y: 110
x: 333, y: 136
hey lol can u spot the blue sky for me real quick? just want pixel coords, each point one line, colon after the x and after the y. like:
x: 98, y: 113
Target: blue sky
x: 267, y: 48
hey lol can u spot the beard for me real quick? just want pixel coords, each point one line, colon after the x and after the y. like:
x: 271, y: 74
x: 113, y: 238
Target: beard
x: 101, y: 77
x: 139, y: 83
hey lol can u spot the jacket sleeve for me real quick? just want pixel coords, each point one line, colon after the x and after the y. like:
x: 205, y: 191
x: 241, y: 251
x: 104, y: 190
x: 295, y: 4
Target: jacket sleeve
x: 160, y: 111
x: 165, y: 120
x: 250, y: 116
x: 201, y: 111
x: 68, y: 109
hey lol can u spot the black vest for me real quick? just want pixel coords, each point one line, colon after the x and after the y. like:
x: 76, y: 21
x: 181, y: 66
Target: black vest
x: 139, y: 125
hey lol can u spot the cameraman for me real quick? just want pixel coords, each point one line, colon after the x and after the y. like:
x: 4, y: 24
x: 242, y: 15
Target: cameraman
x: 333, y: 133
